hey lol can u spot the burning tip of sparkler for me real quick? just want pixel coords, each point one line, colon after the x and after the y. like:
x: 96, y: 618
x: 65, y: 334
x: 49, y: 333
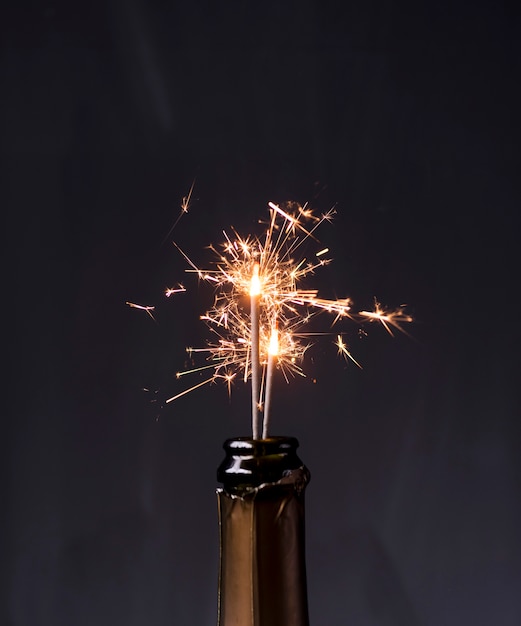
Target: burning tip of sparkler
x: 273, y: 347
x: 255, y: 285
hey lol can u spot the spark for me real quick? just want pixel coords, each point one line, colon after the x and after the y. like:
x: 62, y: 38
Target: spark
x: 388, y: 318
x: 148, y: 309
x: 342, y: 350
x: 171, y: 290
x: 275, y: 266
x: 183, y: 393
x: 185, y: 205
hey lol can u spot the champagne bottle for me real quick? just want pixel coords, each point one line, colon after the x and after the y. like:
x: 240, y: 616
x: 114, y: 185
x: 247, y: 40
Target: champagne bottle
x: 262, y: 571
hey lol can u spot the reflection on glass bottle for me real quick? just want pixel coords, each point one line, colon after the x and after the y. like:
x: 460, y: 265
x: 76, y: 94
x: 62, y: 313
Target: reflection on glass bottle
x: 262, y: 573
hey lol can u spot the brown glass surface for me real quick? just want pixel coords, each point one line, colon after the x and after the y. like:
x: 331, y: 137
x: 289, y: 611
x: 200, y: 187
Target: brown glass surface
x: 262, y: 577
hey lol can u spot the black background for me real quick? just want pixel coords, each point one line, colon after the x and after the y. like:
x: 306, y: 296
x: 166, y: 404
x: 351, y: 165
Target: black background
x: 404, y: 116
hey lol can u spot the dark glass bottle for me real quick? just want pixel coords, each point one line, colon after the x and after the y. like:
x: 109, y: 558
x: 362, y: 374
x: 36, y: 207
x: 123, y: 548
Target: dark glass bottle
x: 262, y: 573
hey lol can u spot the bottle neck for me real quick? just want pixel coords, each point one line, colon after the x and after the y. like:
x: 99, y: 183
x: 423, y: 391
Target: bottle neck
x: 262, y: 575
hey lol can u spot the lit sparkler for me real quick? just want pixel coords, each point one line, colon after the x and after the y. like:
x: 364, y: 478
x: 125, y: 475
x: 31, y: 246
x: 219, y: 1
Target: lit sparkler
x: 242, y: 333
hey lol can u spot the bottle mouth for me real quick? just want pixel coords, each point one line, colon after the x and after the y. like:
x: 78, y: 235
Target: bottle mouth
x: 260, y: 447
x: 250, y: 462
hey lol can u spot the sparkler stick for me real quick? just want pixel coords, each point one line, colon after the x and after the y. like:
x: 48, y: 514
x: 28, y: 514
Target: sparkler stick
x: 255, y: 290
x: 273, y: 351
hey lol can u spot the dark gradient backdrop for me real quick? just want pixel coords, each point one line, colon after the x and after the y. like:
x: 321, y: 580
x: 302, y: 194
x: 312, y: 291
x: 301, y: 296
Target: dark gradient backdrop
x: 404, y: 115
